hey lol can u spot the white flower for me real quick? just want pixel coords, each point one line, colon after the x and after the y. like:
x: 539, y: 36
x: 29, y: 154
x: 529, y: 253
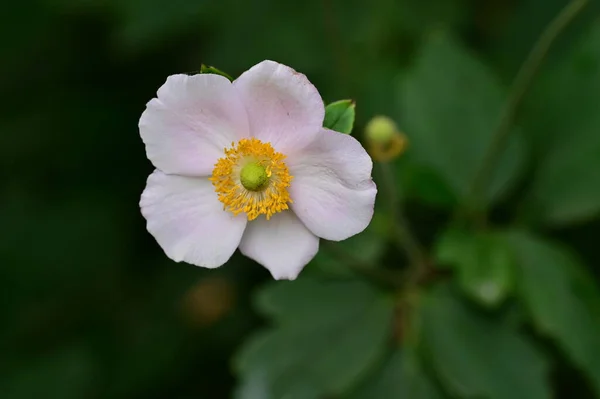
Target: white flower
x: 248, y: 164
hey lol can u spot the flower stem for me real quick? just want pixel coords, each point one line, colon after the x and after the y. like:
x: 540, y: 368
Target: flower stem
x: 401, y: 232
x: 519, y: 88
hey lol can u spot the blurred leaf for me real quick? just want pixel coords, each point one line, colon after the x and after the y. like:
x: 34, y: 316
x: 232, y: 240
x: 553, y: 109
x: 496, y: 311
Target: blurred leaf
x: 424, y: 183
x: 450, y: 116
x: 562, y: 299
x: 565, y: 120
x: 517, y: 35
x: 254, y: 386
x: 366, y: 248
x: 339, y: 116
x: 67, y: 374
x: 326, y: 336
x: 402, y: 377
x: 213, y: 70
x: 483, y: 261
x: 479, y: 357
x: 415, y: 15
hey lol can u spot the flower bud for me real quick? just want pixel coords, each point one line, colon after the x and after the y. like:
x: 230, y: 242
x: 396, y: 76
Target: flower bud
x: 385, y: 141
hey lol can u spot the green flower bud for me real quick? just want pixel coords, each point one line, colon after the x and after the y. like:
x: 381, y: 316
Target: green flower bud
x: 381, y: 130
x: 385, y: 141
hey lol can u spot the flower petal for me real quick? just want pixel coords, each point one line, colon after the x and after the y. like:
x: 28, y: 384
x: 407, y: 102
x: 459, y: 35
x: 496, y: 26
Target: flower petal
x: 188, y: 221
x: 332, y: 190
x: 193, y: 119
x: 284, y: 108
x: 282, y: 244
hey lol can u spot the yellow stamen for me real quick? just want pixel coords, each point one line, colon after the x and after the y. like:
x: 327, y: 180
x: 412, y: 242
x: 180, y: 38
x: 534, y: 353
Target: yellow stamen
x: 268, y: 198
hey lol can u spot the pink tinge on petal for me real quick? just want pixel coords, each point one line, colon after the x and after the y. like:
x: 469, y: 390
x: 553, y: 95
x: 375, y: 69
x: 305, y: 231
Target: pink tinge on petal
x: 281, y: 244
x: 193, y: 119
x: 332, y: 190
x: 187, y: 219
x: 283, y: 107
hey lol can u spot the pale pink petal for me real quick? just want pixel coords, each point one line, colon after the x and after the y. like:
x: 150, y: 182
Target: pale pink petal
x: 188, y: 221
x: 193, y: 119
x: 284, y: 108
x: 282, y: 244
x: 332, y: 190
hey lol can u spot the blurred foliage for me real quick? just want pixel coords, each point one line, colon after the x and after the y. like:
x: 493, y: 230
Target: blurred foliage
x: 329, y: 338
x: 564, y: 133
x: 449, y: 115
x: 507, y: 306
x: 483, y: 263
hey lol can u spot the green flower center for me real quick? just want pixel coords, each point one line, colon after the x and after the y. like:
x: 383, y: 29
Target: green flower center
x: 254, y: 177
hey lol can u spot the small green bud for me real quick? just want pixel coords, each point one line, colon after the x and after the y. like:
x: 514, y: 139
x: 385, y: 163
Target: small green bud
x: 254, y: 177
x: 381, y: 129
x: 385, y: 141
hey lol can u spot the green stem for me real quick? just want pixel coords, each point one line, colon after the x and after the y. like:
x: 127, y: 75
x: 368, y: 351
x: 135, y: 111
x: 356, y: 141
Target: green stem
x: 520, y: 86
x: 402, y: 233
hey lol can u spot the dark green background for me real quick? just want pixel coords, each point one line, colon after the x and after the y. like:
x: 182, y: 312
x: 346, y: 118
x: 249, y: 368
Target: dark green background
x: 90, y: 307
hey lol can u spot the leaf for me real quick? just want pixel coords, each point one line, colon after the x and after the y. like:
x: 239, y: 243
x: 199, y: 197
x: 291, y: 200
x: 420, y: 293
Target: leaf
x: 339, y: 116
x: 564, y: 120
x: 483, y: 261
x: 366, y: 247
x: 254, y: 386
x: 401, y: 377
x: 66, y: 374
x: 416, y: 16
x: 478, y: 357
x: 423, y: 182
x: 450, y: 117
x: 562, y: 298
x: 524, y: 26
x: 326, y: 336
x: 215, y: 71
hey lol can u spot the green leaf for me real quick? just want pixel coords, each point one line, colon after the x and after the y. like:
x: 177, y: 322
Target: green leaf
x: 483, y: 261
x: 562, y: 298
x: 401, y: 377
x: 424, y: 183
x: 564, y: 120
x: 526, y: 21
x: 366, y: 248
x: 450, y: 116
x: 215, y: 71
x: 327, y: 336
x: 417, y: 16
x: 339, y: 116
x: 66, y: 374
x: 479, y: 357
x: 254, y: 386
